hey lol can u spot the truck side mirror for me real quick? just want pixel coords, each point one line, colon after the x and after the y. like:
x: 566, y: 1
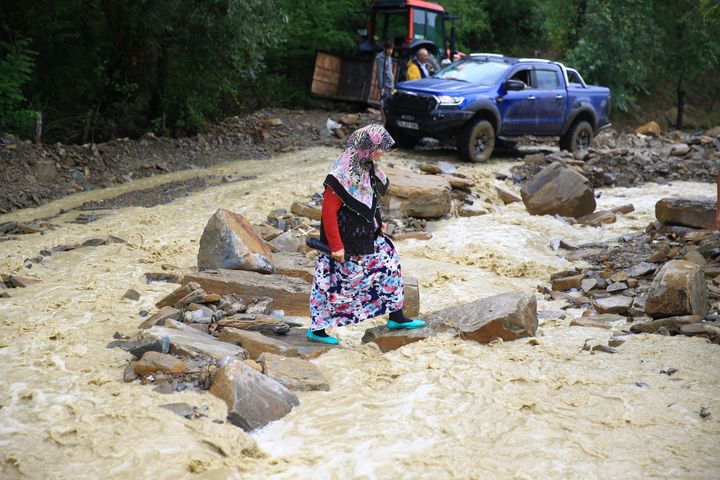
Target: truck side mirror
x: 510, y: 85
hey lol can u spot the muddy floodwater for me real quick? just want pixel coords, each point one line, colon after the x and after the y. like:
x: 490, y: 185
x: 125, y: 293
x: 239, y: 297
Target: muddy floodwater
x: 442, y: 408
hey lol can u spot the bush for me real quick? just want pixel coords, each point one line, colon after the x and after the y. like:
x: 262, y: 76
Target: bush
x: 16, y: 67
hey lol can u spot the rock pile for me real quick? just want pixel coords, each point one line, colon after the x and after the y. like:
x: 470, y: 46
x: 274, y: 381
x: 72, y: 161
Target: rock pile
x: 664, y: 280
x: 633, y: 159
x: 234, y: 348
x: 37, y: 173
x: 233, y: 327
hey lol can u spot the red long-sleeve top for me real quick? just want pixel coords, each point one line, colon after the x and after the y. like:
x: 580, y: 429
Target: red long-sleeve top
x: 330, y: 206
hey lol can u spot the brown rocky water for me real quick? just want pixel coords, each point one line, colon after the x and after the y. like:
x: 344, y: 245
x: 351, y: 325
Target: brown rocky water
x: 441, y: 408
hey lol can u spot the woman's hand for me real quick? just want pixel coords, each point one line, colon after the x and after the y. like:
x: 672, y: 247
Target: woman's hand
x: 383, y: 228
x: 339, y: 255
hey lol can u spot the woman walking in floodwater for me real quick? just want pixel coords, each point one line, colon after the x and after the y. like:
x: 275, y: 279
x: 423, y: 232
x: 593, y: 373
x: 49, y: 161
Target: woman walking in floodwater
x: 361, y: 278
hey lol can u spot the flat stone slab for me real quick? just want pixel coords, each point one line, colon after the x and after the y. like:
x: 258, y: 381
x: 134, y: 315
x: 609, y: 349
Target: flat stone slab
x: 671, y: 324
x: 183, y: 342
x: 297, y: 338
x: 613, y: 304
x: 293, y: 373
x: 289, y: 294
x: 294, y: 265
x: 256, y: 343
x: 605, y: 320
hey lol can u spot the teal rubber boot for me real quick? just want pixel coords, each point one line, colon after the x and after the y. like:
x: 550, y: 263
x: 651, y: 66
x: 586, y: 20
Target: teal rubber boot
x: 405, y: 325
x: 317, y: 338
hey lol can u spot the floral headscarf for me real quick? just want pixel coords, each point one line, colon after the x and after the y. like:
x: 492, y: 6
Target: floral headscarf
x: 353, y: 173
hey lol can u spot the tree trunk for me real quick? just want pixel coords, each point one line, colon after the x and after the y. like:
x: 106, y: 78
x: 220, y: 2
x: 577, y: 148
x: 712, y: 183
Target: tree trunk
x: 680, y: 104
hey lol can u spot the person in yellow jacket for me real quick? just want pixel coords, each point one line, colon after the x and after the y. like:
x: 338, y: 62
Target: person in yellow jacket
x: 417, y: 67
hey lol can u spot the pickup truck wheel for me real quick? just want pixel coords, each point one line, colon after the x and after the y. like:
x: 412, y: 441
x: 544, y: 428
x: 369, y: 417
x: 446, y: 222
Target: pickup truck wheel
x: 476, y: 141
x: 405, y: 139
x: 578, y: 138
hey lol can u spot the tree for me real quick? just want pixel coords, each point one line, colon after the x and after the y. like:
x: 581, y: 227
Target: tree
x: 690, y: 32
x: 612, y: 49
x: 16, y: 66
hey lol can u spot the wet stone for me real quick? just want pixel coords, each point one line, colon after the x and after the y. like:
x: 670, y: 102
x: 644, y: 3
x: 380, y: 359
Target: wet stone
x: 260, y: 306
x: 93, y: 242
x: 567, y: 283
x: 159, y: 317
x: 195, y: 296
x: 232, y: 304
x: 129, y: 374
x: 177, y: 294
x: 616, y: 287
x: 202, y: 315
x: 187, y: 411
x: 132, y: 295
x: 164, y: 277
x: 152, y: 362
x: 641, y: 269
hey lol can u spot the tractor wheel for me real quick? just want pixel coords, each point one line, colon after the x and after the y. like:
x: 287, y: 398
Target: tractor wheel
x: 476, y: 141
x: 577, y: 138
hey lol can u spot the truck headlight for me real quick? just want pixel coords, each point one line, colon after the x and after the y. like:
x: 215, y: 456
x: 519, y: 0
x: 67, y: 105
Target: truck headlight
x: 448, y: 100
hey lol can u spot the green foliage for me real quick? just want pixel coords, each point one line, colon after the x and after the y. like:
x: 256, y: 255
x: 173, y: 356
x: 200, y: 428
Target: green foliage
x: 98, y: 69
x: 310, y: 25
x: 611, y: 50
x: 16, y: 66
x: 508, y: 27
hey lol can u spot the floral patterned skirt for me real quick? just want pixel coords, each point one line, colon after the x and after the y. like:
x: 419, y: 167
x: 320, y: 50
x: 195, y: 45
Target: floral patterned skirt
x: 361, y: 287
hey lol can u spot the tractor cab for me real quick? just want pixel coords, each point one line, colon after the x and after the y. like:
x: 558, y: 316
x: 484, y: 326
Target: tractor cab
x: 409, y: 24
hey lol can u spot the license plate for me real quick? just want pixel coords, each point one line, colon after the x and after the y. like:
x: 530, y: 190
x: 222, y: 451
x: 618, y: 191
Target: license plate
x: 404, y: 124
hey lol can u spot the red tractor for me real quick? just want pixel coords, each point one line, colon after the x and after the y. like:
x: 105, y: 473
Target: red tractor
x: 410, y: 24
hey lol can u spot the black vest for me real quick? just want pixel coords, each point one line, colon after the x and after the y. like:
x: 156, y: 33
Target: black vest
x: 355, y: 221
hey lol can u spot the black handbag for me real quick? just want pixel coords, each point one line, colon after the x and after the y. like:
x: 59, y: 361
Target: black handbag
x: 315, y: 243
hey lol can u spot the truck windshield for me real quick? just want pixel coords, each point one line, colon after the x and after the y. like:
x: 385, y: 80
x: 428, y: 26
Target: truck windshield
x: 483, y: 73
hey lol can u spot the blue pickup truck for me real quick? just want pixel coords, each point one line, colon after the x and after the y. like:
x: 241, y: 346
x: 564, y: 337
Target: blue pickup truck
x: 478, y: 99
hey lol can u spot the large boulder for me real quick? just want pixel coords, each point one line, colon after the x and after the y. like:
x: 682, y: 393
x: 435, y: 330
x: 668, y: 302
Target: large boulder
x: 415, y: 195
x: 289, y: 294
x: 677, y: 289
x: 695, y: 212
x: 507, y: 316
x: 558, y: 190
x: 253, y: 400
x: 229, y: 241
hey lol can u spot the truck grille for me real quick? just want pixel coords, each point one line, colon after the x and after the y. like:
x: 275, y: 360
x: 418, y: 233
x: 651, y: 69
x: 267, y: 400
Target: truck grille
x: 418, y: 102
